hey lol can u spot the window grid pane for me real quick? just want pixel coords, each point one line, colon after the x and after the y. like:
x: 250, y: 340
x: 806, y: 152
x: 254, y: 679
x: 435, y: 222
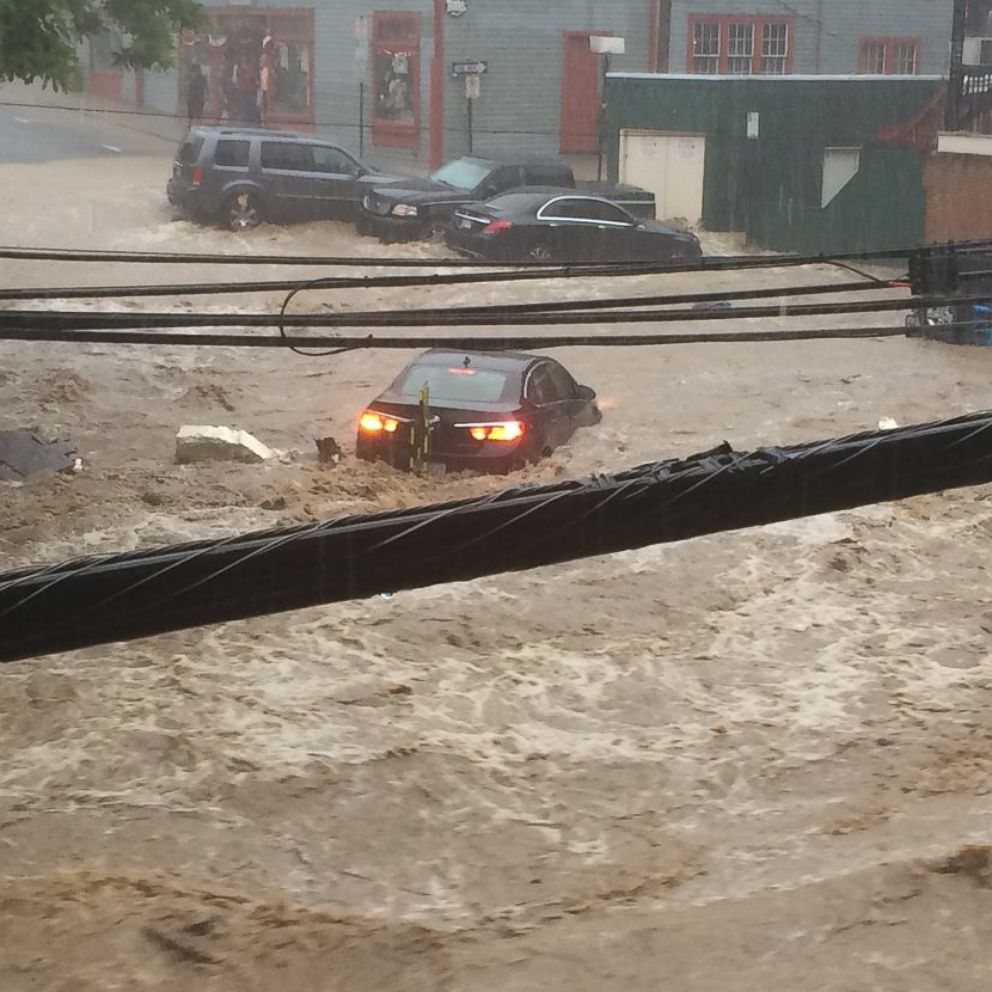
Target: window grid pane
x: 873, y: 57
x: 706, y: 47
x: 906, y: 59
x: 774, y: 48
x: 740, y: 48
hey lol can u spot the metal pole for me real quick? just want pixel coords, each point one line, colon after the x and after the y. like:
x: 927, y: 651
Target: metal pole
x: 952, y: 119
x: 361, y: 120
x: 468, y: 111
x: 602, y: 118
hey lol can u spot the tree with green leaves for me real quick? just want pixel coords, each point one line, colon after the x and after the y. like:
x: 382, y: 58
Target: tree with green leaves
x: 39, y: 38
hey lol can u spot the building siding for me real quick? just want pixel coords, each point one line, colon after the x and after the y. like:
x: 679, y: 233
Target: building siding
x: 770, y: 188
x: 827, y: 32
x: 520, y: 103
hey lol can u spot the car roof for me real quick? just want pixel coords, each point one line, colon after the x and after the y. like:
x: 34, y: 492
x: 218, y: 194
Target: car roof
x: 259, y: 132
x: 497, y: 361
x: 543, y: 192
x: 248, y: 131
x: 520, y: 159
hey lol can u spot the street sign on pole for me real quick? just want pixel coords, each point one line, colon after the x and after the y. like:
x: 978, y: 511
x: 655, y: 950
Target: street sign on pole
x: 472, y: 87
x: 469, y: 68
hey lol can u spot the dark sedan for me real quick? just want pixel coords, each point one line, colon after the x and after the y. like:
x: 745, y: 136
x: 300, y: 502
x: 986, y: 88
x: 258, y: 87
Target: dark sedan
x: 488, y: 411
x: 561, y: 225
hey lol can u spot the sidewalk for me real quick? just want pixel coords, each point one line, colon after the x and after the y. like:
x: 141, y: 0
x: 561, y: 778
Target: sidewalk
x: 157, y: 129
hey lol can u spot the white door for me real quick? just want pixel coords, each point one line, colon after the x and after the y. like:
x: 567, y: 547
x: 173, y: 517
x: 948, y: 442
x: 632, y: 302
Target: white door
x: 672, y: 166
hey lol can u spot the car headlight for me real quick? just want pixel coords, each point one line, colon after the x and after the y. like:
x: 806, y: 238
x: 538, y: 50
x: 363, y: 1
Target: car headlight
x: 404, y: 210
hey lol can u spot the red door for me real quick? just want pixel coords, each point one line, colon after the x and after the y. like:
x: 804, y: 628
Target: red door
x: 579, y: 93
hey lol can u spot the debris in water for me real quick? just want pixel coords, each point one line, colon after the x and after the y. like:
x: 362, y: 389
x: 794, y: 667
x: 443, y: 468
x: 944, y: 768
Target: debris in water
x: 219, y: 444
x: 24, y: 454
x: 328, y: 450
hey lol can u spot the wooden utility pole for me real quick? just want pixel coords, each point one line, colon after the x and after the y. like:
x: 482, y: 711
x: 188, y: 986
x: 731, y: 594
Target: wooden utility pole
x: 952, y: 119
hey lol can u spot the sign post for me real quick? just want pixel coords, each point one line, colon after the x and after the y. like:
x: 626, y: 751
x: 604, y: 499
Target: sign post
x: 472, y: 91
x: 361, y: 72
x: 605, y: 45
x: 472, y: 71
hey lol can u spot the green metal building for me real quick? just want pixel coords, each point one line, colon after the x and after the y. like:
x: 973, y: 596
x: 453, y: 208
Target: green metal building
x: 796, y: 163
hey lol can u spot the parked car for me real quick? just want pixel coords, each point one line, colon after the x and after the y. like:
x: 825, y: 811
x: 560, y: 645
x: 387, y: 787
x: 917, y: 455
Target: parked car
x: 406, y: 210
x: 551, y: 225
x: 242, y: 176
x: 489, y: 411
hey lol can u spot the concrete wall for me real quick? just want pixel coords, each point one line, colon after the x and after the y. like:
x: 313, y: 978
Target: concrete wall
x: 827, y: 32
x: 958, y: 206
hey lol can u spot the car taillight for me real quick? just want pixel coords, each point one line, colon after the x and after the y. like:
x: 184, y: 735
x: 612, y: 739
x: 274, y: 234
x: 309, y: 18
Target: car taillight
x: 509, y: 431
x: 497, y: 225
x: 375, y: 423
x: 196, y: 176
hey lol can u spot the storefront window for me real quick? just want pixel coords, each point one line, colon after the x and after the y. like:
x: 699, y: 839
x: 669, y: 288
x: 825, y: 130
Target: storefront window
x: 396, y: 78
x: 257, y: 65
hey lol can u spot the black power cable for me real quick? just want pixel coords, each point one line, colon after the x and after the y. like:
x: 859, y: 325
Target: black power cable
x: 333, y: 283
x: 103, y: 599
x: 493, y: 317
x: 706, y: 264
x: 341, y: 344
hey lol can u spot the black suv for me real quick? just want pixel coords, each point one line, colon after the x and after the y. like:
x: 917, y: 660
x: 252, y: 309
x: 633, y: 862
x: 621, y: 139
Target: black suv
x: 242, y: 176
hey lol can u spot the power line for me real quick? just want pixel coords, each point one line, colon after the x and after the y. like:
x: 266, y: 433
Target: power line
x: 483, y: 317
x: 274, y: 125
x: 705, y: 264
x: 332, y: 283
x: 98, y: 600
x: 339, y: 344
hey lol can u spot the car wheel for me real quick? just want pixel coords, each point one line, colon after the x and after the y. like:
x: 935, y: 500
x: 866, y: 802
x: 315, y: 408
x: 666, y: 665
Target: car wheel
x: 243, y: 211
x: 540, y: 252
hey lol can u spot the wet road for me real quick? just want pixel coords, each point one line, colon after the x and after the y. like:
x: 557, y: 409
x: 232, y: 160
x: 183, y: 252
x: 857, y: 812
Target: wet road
x: 45, y: 134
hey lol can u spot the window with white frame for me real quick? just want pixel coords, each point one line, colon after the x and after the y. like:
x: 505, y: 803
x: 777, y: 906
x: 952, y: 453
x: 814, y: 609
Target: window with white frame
x: 774, y: 48
x: 706, y: 47
x: 740, y: 48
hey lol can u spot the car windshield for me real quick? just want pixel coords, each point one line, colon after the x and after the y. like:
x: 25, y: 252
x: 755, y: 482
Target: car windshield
x: 462, y: 173
x: 454, y: 385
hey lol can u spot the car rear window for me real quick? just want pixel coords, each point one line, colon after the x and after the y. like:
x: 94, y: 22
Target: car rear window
x: 514, y: 203
x: 233, y: 154
x: 454, y: 384
x: 189, y: 150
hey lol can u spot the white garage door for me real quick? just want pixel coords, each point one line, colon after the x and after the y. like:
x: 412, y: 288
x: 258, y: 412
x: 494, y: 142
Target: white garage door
x: 672, y: 166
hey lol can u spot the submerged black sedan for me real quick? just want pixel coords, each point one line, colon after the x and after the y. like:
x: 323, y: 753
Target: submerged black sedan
x: 488, y: 411
x: 548, y: 224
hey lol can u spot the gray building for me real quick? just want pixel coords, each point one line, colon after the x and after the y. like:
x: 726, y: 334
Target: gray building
x: 390, y: 77
x: 884, y: 37
x: 382, y: 76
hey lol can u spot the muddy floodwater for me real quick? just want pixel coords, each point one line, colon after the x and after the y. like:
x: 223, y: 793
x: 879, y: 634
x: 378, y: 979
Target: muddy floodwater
x: 756, y: 761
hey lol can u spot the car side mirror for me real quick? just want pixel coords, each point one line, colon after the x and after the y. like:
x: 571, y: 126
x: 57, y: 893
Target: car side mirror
x: 585, y: 393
